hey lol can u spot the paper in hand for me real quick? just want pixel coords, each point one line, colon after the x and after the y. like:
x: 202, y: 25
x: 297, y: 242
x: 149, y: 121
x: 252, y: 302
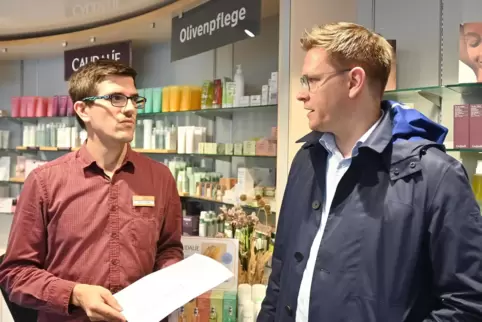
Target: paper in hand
x: 155, y: 296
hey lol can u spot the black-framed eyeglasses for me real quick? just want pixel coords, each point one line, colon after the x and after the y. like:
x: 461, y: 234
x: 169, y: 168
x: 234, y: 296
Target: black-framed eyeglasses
x: 311, y: 83
x: 120, y: 100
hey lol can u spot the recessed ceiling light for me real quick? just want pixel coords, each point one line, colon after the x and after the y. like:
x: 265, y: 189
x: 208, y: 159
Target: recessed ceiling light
x: 249, y: 33
x: 92, y: 39
x: 64, y: 44
x: 4, y: 50
x: 153, y: 25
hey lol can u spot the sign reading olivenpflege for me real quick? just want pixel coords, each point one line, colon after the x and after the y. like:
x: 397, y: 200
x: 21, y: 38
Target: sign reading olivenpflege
x: 76, y: 58
x: 214, y: 24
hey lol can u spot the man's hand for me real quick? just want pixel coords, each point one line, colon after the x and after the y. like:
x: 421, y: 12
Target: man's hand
x: 98, y: 303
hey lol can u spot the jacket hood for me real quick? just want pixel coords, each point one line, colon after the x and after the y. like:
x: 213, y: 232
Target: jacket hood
x: 410, y: 124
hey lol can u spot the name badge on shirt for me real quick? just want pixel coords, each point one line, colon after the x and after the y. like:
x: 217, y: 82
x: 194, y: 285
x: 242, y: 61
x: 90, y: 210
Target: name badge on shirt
x: 143, y: 201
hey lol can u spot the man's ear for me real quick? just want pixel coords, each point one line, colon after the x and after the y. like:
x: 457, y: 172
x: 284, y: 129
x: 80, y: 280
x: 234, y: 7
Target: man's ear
x: 82, y: 111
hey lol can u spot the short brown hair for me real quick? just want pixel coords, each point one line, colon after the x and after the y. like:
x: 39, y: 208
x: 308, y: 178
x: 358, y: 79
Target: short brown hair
x: 349, y: 45
x: 83, y: 82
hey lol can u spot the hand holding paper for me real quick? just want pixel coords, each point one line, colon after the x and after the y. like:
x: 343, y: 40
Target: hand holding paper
x: 155, y: 296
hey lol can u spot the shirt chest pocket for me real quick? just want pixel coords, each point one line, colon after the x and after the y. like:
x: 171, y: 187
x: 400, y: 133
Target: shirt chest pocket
x: 143, y: 212
x: 144, y: 226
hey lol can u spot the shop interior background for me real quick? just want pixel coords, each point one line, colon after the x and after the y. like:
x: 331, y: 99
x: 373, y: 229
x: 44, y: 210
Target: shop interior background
x: 417, y: 26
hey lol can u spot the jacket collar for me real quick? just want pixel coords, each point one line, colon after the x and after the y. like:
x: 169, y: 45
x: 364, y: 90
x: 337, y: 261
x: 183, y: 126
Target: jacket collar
x: 378, y: 140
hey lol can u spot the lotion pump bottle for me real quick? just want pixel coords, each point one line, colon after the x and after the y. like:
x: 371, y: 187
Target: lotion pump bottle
x: 239, y: 86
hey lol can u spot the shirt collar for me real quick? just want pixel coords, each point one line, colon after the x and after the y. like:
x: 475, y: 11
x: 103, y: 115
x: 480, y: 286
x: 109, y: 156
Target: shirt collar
x: 327, y: 140
x: 87, y: 161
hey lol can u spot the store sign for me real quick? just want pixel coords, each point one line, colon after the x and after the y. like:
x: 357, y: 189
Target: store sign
x: 212, y: 25
x: 76, y: 58
x: 84, y: 8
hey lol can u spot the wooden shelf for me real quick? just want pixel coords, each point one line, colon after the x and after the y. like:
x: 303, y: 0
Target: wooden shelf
x: 155, y: 151
x: 17, y: 180
x: 146, y: 151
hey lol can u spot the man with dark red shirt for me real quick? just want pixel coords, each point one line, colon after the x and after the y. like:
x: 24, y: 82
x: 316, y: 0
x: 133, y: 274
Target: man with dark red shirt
x: 96, y: 220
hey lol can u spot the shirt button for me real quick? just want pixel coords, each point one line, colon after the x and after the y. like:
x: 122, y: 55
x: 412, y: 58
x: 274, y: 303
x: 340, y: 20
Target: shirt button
x: 289, y: 310
x: 112, y: 208
x: 412, y: 165
x: 114, y: 235
x: 115, y: 262
x: 315, y: 205
x: 299, y: 256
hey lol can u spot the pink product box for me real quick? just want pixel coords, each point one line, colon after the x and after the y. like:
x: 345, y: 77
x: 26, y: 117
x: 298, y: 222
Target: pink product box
x: 461, y: 126
x: 475, y: 126
x: 53, y: 108
x: 266, y: 147
x: 41, y: 107
x: 63, y: 104
x: 15, y: 104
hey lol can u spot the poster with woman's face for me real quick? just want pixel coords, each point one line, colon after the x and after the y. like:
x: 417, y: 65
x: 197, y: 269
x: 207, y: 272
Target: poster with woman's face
x: 470, y: 52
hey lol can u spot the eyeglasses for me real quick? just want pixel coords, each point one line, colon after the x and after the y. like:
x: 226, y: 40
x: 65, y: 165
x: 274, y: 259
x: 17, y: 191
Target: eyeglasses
x: 312, y: 83
x: 120, y: 100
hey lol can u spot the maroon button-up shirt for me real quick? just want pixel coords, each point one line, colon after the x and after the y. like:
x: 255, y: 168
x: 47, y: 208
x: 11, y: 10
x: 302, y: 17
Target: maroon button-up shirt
x: 75, y: 225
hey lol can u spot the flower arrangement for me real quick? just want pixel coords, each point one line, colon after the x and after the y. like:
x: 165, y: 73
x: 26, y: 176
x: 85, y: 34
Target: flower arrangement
x: 254, y: 239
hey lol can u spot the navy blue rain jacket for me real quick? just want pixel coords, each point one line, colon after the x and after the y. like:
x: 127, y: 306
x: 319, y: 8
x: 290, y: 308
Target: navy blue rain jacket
x: 403, y: 241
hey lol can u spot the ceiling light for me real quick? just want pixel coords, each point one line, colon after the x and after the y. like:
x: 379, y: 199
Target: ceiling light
x: 4, y: 50
x: 153, y: 25
x: 92, y: 39
x: 64, y: 44
x: 249, y: 33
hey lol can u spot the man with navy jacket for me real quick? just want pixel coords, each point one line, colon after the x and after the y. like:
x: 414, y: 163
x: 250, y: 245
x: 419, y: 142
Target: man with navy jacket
x: 378, y: 223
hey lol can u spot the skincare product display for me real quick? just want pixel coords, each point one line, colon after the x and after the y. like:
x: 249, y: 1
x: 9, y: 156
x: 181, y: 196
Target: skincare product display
x: 58, y: 135
x: 467, y: 126
x: 219, y: 304
x: 171, y: 99
x: 4, y: 139
x: 224, y: 93
x: 250, y: 298
x: 38, y: 106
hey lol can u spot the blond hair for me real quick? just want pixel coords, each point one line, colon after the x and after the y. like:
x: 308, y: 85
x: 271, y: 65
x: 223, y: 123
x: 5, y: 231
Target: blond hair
x: 349, y: 45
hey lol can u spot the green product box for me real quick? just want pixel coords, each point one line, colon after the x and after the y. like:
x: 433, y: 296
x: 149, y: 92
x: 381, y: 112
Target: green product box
x: 230, y: 306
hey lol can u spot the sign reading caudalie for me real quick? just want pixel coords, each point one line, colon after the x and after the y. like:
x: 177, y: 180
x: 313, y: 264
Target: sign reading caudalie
x: 212, y: 25
x: 76, y: 58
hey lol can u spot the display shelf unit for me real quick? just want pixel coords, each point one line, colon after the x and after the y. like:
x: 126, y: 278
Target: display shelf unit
x: 143, y: 151
x: 434, y: 94
x: 215, y: 204
x: 466, y: 150
x: 208, y: 113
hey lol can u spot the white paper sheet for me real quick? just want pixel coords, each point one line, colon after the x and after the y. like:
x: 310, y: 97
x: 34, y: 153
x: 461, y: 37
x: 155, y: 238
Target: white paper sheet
x: 157, y: 295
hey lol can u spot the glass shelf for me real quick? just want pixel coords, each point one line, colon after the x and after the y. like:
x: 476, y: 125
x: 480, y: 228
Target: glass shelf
x: 466, y: 88
x: 435, y: 94
x: 410, y: 95
x: 213, y: 112
x: 145, y: 151
x: 466, y: 150
x: 271, y: 219
x: 222, y: 112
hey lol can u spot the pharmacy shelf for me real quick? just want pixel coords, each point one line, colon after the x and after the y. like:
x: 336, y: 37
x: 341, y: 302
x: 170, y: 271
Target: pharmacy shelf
x: 213, y: 112
x: 145, y: 151
x: 434, y: 94
x: 15, y: 180
x: 466, y: 150
x: 271, y: 219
